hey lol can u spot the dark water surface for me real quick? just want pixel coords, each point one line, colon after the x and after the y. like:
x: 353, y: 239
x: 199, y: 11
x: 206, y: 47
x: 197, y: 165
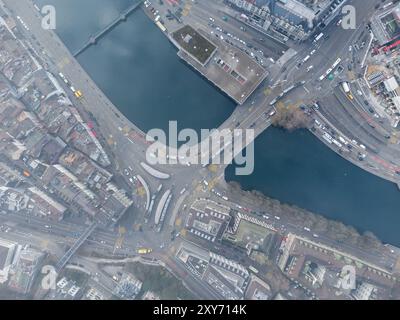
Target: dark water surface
x: 138, y: 69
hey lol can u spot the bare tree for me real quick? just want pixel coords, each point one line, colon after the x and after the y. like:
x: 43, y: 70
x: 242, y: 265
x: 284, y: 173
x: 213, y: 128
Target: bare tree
x: 290, y: 117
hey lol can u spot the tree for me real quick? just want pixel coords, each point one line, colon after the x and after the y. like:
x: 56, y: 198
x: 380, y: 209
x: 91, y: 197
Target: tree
x: 290, y: 117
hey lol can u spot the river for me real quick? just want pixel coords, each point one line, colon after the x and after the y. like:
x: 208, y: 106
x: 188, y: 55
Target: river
x: 139, y: 71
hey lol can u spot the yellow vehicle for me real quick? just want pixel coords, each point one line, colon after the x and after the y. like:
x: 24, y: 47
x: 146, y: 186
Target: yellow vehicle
x: 78, y: 94
x: 26, y: 173
x: 144, y: 250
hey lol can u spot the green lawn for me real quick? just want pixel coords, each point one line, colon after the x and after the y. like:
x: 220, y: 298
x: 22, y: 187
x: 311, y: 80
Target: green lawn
x: 250, y: 230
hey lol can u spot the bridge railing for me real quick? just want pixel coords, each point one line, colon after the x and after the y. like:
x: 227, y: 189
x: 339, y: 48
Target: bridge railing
x: 93, y: 38
x: 82, y: 238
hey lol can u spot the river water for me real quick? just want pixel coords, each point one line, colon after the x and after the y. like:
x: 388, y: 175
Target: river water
x: 139, y: 71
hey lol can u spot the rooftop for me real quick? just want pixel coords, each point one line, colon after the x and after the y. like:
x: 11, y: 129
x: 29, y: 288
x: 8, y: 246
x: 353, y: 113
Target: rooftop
x: 194, y: 43
x: 231, y: 70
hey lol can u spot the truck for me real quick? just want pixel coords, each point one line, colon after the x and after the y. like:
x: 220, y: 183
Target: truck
x: 254, y: 270
x: 345, y: 87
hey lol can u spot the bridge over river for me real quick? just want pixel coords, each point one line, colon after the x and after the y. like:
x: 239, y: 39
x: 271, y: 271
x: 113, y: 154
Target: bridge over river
x: 93, y: 39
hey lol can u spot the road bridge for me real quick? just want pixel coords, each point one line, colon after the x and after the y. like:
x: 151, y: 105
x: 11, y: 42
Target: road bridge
x: 93, y: 39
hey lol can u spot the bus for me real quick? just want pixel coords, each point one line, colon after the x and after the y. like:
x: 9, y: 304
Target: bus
x: 273, y: 102
x: 336, y: 63
x: 318, y: 37
x: 306, y: 58
x: 254, y: 270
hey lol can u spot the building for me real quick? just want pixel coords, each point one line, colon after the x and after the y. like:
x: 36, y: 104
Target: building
x: 8, y: 175
x: 66, y: 289
x: 396, y: 14
x: 149, y: 295
x: 375, y: 79
x: 391, y: 84
x: 227, y: 277
x: 25, y: 270
x: 258, y: 289
x: 209, y: 224
x: 7, y: 251
x: 284, y: 19
x: 94, y: 294
x: 70, y: 190
x: 12, y: 200
x: 363, y: 291
x: 84, y: 169
x: 315, y: 273
x: 45, y: 206
x: 128, y: 287
x: 295, y: 12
